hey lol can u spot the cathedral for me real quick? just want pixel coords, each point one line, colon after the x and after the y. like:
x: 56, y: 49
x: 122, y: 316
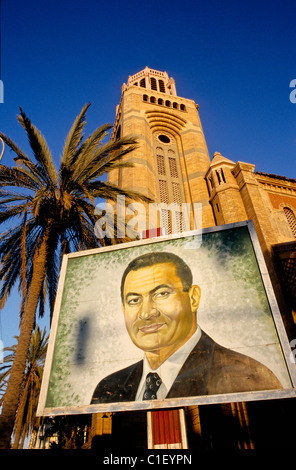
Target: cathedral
x: 172, y: 165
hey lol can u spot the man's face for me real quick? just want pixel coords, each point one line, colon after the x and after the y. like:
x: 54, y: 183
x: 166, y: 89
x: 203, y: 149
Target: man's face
x: 158, y: 313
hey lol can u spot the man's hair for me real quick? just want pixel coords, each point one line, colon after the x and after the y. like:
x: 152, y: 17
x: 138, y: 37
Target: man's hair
x: 150, y: 259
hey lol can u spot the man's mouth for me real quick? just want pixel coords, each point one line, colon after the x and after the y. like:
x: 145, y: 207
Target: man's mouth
x: 151, y: 328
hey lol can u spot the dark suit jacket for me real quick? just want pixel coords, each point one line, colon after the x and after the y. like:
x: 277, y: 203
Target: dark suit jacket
x: 209, y: 369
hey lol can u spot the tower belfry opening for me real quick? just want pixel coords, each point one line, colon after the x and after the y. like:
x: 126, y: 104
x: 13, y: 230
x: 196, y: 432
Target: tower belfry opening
x: 153, y: 80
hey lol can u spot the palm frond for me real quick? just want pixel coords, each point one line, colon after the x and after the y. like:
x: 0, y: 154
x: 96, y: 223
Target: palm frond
x: 87, y: 150
x: 10, y: 256
x: 101, y: 164
x: 6, y: 213
x: 19, y: 152
x: 41, y: 151
x: 74, y: 139
x: 18, y: 177
x: 92, y: 142
x: 107, y: 190
x: 6, y: 197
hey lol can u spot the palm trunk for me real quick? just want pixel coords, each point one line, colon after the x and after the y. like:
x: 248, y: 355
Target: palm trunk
x: 19, y: 418
x: 13, y: 390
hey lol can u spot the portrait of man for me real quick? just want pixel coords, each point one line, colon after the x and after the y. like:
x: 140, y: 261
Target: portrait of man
x: 159, y: 303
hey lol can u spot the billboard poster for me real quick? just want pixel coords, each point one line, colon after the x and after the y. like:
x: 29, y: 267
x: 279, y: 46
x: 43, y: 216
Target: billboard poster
x: 159, y: 323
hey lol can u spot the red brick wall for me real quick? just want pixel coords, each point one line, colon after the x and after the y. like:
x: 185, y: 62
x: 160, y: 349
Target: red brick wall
x: 277, y: 199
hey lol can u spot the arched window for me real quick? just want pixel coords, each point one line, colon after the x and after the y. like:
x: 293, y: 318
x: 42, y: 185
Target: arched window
x: 182, y: 107
x: 168, y: 103
x: 218, y: 176
x: 143, y: 83
x: 169, y: 181
x: 161, y: 86
x: 145, y: 97
x: 175, y: 105
x: 291, y: 219
x: 153, y: 84
x: 160, y: 101
x: 211, y: 181
x: 152, y: 99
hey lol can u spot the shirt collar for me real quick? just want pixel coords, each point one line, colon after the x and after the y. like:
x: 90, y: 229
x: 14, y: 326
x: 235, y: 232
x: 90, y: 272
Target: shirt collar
x: 169, y: 370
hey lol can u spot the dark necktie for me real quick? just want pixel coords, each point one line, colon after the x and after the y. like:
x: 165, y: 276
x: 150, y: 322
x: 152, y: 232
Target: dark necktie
x: 153, y: 382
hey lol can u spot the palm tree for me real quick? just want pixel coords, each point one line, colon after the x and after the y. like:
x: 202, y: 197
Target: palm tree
x: 26, y: 419
x: 54, y: 210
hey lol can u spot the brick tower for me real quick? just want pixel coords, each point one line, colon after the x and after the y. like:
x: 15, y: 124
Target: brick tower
x: 172, y: 156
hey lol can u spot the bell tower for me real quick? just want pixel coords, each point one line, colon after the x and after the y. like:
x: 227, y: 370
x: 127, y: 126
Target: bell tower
x: 172, y: 159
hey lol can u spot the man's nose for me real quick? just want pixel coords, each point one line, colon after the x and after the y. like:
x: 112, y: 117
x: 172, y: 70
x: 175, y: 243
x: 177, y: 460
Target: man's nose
x: 148, y: 309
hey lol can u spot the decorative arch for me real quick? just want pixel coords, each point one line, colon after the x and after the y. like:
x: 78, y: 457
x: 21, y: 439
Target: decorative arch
x: 166, y: 120
x: 291, y: 219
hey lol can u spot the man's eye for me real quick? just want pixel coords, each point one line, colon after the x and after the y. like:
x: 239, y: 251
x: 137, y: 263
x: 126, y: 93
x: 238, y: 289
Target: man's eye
x: 134, y: 301
x: 161, y: 294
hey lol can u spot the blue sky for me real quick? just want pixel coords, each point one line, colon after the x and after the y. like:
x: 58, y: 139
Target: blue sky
x: 235, y: 59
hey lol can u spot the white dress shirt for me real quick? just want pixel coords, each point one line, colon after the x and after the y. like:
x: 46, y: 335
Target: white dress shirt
x: 169, y: 370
